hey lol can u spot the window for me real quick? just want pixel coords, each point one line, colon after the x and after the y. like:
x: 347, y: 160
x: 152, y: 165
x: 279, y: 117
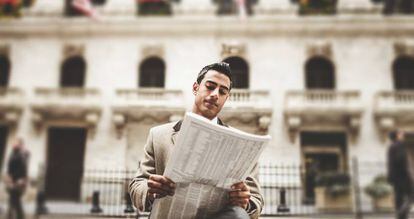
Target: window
x: 153, y: 7
x: 313, y: 7
x: 231, y: 7
x: 27, y: 3
x: 4, y: 71
x: 73, y: 12
x: 319, y: 73
x: 152, y: 72
x: 398, y: 6
x: 403, y: 70
x: 73, y: 72
x: 240, y: 72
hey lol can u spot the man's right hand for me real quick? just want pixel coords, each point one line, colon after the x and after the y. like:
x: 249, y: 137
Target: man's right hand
x: 160, y: 186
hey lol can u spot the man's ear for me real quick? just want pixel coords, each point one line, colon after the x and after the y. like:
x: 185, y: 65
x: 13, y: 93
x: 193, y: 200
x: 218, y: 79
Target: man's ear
x: 196, y: 86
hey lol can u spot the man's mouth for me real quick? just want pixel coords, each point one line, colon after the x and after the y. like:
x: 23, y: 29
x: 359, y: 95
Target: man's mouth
x: 210, y: 103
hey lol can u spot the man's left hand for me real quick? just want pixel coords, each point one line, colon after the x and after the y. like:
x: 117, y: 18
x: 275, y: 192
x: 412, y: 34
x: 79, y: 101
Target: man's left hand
x: 239, y: 195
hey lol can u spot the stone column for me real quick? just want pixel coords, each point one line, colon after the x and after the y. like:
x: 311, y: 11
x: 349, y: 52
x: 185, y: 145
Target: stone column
x: 272, y: 7
x: 47, y: 7
x: 194, y: 8
x: 357, y: 6
x: 125, y: 8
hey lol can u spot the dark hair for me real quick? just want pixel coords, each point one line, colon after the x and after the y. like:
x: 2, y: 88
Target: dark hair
x: 221, y: 67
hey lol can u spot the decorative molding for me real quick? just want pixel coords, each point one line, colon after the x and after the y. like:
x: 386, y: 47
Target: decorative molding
x: 319, y: 49
x: 4, y: 49
x: 277, y: 25
x: 156, y: 50
x: 70, y: 50
x: 233, y: 49
x: 404, y: 48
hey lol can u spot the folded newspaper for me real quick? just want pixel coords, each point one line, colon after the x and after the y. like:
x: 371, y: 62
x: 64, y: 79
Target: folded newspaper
x: 206, y: 160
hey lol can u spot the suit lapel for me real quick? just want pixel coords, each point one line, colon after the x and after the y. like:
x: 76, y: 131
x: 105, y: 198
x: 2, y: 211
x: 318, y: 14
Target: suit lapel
x: 176, y: 128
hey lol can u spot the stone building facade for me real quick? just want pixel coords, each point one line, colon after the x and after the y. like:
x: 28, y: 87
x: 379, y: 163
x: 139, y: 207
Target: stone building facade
x: 84, y: 92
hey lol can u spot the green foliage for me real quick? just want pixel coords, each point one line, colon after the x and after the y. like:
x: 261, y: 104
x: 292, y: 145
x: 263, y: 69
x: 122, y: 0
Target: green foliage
x: 335, y: 183
x: 378, y: 188
x: 312, y: 7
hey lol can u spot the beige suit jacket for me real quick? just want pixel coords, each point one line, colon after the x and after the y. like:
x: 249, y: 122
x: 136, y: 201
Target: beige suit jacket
x: 160, y: 142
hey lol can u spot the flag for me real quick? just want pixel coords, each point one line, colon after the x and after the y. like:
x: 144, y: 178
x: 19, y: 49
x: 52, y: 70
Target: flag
x: 85, y: 7
x: 241, y: 4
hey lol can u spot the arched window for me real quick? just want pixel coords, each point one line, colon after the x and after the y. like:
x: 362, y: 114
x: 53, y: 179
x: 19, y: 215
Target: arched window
x: 319, y: 73
x: 240, y: 72
x: 72, y: 72
x: 403, y: 70
x: 4, y: 71
x: 152, y: 72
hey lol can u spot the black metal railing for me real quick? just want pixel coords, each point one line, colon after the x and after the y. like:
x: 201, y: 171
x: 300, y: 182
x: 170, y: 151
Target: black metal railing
x: 286, y: 190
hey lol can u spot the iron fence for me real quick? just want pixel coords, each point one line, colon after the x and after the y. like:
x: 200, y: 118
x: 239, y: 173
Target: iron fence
x: 284, y: 188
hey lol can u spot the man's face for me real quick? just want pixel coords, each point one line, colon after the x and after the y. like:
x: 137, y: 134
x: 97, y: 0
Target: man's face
x: 211, y: 94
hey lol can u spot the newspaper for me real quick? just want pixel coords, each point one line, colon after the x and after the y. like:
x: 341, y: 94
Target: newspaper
x: 206, y: 161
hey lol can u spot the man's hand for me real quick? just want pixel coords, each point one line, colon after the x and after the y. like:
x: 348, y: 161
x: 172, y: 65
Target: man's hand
x: 239, y: 195
x: 160, y: 186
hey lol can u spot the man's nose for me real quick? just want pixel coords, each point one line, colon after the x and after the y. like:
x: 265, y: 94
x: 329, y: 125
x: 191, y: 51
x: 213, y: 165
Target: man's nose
x: 215, y: 93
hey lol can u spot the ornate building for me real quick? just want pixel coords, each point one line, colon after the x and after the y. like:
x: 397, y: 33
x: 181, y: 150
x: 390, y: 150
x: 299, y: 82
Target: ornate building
x: 326, y: 81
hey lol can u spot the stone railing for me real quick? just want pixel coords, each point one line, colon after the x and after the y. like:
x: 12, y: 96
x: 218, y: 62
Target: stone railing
x: 247, y: 98
x: 11, y: 104
x: 67, y: 97
x: 11, y: 98
x: 149, y: 97
x: 322, y: 100
x: 393, y: 109
x: 394, y: 101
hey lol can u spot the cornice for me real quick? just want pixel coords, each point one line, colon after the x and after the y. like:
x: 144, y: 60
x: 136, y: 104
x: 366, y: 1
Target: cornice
x: 258, y: 26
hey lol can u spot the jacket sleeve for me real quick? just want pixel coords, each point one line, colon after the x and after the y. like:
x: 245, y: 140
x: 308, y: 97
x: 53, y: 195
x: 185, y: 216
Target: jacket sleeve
x: 138, y: 187
x: 256, y: 200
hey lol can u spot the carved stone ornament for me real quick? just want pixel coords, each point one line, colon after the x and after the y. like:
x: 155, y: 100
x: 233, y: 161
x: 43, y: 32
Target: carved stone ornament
x: 4, y: 49
x: 73, y: 50
x: 319, y: 49
x: 153, y: 50
x: 404, y: 48
x: 233, y: 49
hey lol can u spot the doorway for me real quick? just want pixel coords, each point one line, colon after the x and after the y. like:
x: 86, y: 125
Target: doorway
x: 65, y: 158
x: 322, y: 152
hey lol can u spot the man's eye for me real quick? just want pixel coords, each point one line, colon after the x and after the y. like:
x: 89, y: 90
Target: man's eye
x: 223, y: 92
x: 210, y: 87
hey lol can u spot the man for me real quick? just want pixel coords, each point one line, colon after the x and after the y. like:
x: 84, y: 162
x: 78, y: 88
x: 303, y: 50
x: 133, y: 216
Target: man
x: 16, y: 179
x: 399, y: 174
x: 211, y: 90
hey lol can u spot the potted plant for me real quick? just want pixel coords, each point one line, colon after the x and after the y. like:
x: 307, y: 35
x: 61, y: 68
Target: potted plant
x: 333, y: 193
x: 381, y: 193
x: 10, y: 8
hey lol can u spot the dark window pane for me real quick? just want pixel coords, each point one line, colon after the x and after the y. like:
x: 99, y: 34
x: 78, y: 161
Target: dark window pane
x: 231, y: 7
x: 319, y: 74
x: 240, y: 72
x: 4, y: 71
x: 154, y: 7
x: 152, y: 73
x: 98, y: 2
x: 311, y: 7
x: 403, y: 70
x: 73, y: 72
